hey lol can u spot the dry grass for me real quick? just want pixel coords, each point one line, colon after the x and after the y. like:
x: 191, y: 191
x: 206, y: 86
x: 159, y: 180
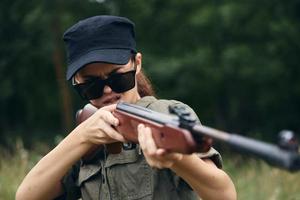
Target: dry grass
x: 254, y: 180
x: 13, y: 168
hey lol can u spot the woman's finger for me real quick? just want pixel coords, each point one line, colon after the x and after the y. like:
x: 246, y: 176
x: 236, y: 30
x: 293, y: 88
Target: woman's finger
x: 109, y: 108
x: 141, y: 137
x: 161, y: 152
x: 111, y: 132
x: 108, y: 117
x: 149, y: 141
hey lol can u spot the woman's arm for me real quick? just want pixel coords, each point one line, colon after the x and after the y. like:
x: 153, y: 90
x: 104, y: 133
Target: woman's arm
x: 205, y: 178
x: 44, y: 179
x: 202, y: 175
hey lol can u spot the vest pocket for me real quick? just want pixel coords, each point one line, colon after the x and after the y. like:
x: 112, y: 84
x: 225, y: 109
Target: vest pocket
x: 89, y: 181
x: 131, y: 180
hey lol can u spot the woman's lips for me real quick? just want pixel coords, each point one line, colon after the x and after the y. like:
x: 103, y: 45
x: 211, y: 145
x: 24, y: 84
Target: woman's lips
x: 111, y: 100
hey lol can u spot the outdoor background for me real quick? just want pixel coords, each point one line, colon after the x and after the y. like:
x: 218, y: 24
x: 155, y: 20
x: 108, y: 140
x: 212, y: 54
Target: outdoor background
x: 235, y: 62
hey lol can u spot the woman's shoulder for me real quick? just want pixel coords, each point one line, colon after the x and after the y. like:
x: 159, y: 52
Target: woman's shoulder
x: 162, y: 105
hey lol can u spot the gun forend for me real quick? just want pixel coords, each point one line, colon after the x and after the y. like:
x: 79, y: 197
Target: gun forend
x: 165, y: 128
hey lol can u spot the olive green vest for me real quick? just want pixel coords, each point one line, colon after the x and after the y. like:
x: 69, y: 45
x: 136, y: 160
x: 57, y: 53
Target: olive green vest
x: 127, y: 176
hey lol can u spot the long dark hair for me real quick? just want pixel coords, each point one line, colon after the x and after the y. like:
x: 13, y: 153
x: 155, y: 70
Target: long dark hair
x: 144, y: 85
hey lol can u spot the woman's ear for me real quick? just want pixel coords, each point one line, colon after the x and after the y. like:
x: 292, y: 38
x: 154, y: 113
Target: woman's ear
x: 76, y: 78
x: 138, y: 62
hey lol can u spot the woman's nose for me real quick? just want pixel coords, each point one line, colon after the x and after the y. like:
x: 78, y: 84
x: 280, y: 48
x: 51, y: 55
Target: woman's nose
x: 107, y: 89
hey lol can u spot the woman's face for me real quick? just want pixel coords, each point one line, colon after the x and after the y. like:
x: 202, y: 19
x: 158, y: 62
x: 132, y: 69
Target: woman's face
x: 103, y: 70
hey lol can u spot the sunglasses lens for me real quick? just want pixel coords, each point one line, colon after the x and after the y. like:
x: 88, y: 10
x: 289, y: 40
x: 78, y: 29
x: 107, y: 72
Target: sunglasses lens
x: 91, y: 89
x: 122, y: 82
x: 119, y: 83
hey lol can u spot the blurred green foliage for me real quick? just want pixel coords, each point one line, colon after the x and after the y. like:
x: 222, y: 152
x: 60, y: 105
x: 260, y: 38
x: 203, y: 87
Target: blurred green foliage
x: 234, y: 62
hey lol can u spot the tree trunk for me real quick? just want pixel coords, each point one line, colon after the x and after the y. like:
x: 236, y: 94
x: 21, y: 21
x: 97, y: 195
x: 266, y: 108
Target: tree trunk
x: 58, y: 61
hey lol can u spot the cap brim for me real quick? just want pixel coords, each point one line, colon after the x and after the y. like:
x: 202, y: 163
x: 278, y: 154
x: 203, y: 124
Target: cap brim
x: 114, y: 56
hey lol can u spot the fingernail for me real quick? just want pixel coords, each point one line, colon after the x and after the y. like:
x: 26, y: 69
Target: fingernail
x: 140, y: 126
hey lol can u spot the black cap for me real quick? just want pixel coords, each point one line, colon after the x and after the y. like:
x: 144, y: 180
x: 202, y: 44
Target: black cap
x: 108, y: 39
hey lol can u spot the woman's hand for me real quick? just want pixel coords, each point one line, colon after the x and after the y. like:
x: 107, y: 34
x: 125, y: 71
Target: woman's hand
x: 99, y: 128
x: 156, y: 157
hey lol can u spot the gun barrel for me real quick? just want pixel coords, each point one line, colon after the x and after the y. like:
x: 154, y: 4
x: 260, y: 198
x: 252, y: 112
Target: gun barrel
x: 270, y: 153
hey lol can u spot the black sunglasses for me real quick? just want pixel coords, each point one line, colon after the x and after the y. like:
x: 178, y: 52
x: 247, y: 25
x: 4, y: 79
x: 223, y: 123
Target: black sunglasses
x: 118, y: 82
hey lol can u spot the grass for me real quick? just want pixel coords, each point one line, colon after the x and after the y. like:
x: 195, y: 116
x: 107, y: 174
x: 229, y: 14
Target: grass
x: 254, y: 180
x: 13, y: 168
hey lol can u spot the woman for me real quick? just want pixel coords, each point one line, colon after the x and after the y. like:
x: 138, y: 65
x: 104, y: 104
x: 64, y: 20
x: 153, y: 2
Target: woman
x: 105, y: 68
